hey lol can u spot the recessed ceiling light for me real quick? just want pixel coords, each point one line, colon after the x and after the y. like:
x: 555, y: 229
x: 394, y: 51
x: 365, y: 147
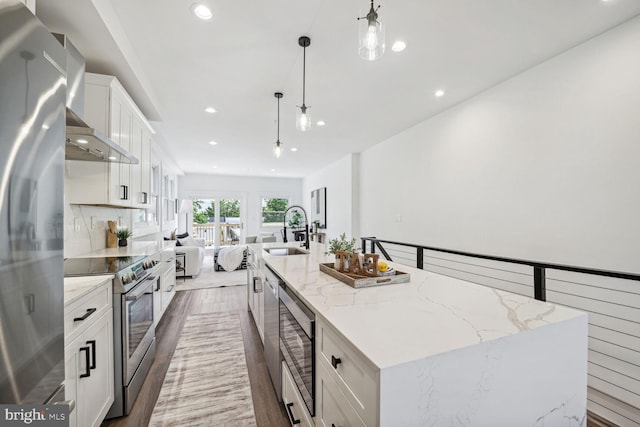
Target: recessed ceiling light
x: 294, y: 149
x: 439, y: 93
x: 45, y: 126
x: 202, y: 11
x: 112, y: 158
x: 273, y: 170
x: 213, y: 143
x: 210, y: 110
x: 399, y: 46
x: 214, y: 167
x: 82, y: 141
x: 320, y: 123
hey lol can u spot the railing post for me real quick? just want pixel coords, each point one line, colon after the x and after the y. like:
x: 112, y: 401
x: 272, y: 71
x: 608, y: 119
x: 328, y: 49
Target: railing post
x: 539, y: 283
x: 419, y: 259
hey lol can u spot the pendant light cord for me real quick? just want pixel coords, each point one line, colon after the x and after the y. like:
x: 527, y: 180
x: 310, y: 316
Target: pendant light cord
x: 278, y: 139
x: 304, y: 71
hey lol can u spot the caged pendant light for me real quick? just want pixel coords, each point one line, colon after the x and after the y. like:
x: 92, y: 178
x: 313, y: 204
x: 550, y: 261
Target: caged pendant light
x: 303, y: 121
x: 371, y: 35
x: 277, y: 147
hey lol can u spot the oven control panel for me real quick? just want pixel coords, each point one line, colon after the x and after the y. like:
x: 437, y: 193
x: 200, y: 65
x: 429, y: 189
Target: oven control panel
x: 132, y: 274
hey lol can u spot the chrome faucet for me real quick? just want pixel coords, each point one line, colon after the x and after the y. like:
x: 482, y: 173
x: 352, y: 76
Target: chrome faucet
x: 306, y: 225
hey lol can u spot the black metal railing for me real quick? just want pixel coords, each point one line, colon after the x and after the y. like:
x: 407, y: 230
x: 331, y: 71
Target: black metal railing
x: 539, y: 268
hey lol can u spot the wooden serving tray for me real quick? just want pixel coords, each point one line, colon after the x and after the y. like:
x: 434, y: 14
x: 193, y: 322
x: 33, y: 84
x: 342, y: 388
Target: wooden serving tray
x: 357, y: 281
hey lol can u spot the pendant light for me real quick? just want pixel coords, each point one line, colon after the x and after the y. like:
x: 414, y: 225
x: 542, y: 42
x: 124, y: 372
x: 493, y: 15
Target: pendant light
x: 303, y: 121
x: 277, y: 147
x: 371, y: 35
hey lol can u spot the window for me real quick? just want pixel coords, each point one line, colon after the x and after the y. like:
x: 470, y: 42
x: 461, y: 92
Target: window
x: 273, y: 211
x: 169, y: 203
x: 154, y: 208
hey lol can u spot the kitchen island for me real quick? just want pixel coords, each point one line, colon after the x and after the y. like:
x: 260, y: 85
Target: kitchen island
x: 438, y: 351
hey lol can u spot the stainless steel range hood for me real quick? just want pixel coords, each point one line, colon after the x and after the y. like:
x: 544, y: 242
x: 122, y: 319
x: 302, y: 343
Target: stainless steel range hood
x: 83, y: 141
x: 86, y: 143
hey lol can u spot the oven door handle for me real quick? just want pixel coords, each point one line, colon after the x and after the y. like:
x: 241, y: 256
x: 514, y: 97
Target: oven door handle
x: 139, y: 292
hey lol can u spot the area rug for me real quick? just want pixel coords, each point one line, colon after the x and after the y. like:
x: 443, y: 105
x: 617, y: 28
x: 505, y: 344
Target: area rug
x: 207, y: 383
x: 209, y: 278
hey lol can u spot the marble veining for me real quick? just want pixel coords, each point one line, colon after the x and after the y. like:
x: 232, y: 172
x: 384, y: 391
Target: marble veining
x: 76, y: 287
x: 453, y: 353
x: 383, y: 322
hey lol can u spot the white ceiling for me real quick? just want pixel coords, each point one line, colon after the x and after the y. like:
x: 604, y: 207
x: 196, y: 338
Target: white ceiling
x: 175, y: 65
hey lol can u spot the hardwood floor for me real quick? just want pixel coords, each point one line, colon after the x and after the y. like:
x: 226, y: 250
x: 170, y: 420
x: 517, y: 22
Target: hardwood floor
x: 269, y: 412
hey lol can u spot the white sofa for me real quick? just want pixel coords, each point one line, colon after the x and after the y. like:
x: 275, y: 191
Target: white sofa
x: 194, y: 257
x: 264, y: 237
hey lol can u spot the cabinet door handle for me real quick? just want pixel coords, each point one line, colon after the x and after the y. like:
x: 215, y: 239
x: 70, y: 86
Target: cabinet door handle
x: 123, y: 192
x: 89, y: 312
x: 143, y: 197
x: 255, y: 290
x: 335, y: 361
x: 88, y: 371
x: 291, y: 417
x: 92, y: 343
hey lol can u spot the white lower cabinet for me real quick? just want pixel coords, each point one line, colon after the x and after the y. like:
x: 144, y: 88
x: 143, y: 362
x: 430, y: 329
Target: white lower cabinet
x: 293, y: 402
x: 165, y: 289
x: 347, y: 384
x: 168, y: 280
x: 89, y: 358
x: 333, y: 409
x: 255, y: 294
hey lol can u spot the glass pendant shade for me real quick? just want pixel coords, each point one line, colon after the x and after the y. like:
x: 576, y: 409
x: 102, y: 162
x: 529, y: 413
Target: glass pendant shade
x: 303, y: 121
x: 371, y: 36
x: 277, y: 149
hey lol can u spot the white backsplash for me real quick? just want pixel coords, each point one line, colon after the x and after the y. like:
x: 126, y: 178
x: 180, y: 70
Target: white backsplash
x: 85, y: 227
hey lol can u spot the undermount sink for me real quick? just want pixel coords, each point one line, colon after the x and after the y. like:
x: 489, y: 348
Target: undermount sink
x: 285, y: 251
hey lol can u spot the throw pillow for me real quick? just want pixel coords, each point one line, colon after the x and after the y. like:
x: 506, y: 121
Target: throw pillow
x: 188, y: 241
x: 173, y: 235
x: 182, y: 236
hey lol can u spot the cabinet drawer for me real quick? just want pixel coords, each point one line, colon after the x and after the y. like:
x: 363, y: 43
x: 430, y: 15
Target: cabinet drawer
x: 89, y: 306
x: 293, y: 401
x: 351, y: 371
x: 333, y: 407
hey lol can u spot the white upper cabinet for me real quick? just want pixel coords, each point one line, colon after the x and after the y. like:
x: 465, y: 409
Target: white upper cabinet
x: 110, y: 110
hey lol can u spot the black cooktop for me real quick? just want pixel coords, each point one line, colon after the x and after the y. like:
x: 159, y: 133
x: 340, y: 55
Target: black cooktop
x: 97, y: 266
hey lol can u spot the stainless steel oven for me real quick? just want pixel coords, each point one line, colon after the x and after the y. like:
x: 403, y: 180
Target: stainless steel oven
x: 297, y: 343
x: 134, y: 333
x: 137, y: 325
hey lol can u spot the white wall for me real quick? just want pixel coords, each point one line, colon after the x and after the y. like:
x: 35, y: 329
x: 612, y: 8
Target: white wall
x: 543, y: 166
x: 249, y: 189
x: 341, y: 180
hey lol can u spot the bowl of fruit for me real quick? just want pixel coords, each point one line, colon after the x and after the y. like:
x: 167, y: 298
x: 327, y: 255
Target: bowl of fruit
x: 385, y: 270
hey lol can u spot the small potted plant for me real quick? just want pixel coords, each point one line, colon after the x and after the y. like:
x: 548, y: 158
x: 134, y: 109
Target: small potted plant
x: 123, y: 234
x: 342, y: 244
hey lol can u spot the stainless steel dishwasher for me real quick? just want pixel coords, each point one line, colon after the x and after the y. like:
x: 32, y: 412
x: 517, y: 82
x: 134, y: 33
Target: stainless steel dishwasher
x: 272, y: 329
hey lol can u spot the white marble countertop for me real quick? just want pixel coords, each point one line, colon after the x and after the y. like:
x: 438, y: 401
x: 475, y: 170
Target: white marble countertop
x: 143, y: 248
x: 76, y: 287
x: 401, y: 323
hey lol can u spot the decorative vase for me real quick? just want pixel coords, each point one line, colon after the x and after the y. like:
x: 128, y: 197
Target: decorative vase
x: 122, y: 242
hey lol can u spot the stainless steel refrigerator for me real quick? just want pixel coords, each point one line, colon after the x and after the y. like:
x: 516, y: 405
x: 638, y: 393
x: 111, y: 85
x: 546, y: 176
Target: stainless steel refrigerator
x: 32, y: 137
